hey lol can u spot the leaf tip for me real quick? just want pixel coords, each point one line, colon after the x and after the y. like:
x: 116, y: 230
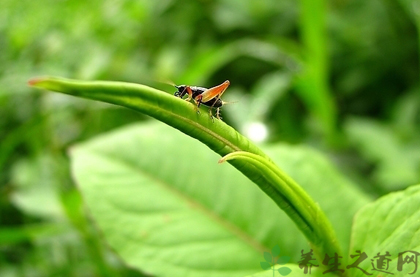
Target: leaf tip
x: 225, y: 158
x: 35, y: 81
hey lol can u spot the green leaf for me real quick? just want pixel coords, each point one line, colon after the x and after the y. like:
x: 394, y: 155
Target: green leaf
x: 389, y: 224
x: 284, y: 271
x: 265, y: 265
x: 166, y: 206
x: 275, y: 250
x: 149, y: 187
x: 171, y: 110
x: 268, y: 257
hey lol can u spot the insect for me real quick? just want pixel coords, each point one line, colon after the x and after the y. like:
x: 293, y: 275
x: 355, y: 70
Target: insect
x: 208, y: 97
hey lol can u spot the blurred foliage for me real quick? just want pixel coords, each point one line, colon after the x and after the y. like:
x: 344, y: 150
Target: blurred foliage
x: 340, y: 75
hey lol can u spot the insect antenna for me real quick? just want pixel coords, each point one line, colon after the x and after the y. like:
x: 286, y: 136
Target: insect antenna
x: 166, y: 81
x: 229, y: 102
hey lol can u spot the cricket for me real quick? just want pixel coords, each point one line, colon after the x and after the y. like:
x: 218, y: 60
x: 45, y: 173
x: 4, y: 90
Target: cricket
x: 209, y: 97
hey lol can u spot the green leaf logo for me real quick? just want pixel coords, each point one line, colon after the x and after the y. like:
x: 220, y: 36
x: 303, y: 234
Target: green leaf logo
x: 271, y: 260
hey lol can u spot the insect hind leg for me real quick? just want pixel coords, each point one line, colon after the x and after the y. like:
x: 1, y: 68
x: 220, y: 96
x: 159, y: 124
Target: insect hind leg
x: 218, y: 114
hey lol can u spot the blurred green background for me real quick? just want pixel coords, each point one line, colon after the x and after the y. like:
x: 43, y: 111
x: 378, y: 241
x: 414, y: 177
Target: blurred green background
x: 342, y: 76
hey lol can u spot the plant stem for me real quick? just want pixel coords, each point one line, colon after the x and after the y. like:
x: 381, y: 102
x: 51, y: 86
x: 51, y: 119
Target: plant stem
x: 300, y: 207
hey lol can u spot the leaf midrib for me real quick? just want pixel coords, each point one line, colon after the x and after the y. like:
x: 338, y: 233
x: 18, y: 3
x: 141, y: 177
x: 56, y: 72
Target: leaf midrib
x: 227, y: 225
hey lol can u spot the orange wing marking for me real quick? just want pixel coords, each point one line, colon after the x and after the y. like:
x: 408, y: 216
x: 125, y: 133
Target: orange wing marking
x: 216, y: 91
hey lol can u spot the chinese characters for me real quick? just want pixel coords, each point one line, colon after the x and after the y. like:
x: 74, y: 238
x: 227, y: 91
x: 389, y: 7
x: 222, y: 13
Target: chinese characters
x: 381, y: 262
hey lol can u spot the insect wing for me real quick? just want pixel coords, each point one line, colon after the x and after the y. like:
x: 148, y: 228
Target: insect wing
x: 213, y: 92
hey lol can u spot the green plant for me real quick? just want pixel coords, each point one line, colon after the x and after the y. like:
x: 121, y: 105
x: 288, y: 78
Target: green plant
x: 341, y: 77
x: 147, y: 224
